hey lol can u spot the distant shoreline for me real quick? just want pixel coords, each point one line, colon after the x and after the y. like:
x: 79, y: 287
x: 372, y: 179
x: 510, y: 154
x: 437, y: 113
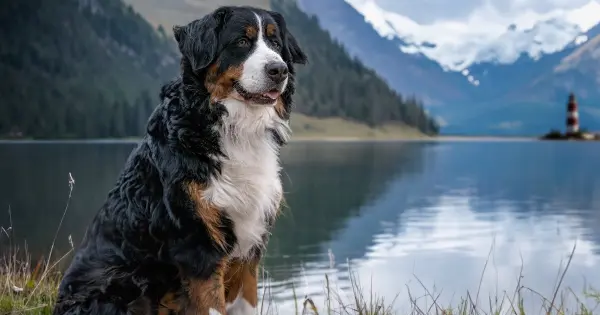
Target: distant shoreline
x: 413, y: 139
x: 442, y: 138
x: 485, y: 138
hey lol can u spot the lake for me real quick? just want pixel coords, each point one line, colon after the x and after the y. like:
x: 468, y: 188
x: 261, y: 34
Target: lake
x: 398, y: 216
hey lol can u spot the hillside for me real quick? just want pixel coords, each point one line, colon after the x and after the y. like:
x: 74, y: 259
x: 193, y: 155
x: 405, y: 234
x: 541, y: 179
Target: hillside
x: 334, y: 85
x: 331, y: 85
x: 514, y: 82
x: 71, y: 68
x: 405, y: 73
x: 540, y: 103
x: 91, y: 68
x: 335, y: 128
x: 579, y: 63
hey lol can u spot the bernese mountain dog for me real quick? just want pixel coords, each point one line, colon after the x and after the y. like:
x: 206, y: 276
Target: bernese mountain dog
x: 183, y: 230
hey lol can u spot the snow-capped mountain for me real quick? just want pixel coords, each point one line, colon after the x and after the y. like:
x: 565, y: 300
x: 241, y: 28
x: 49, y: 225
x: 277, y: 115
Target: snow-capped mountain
x: 406, y: 73
x: 456, y: 47
x: 498, y: 79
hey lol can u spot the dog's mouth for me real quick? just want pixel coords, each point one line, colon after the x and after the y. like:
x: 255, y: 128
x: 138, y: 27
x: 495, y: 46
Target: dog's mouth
x: 266, y: 98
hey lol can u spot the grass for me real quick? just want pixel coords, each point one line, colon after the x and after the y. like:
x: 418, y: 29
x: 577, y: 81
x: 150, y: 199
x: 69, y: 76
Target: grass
x: 312, y: 128
x: 23, y: 291
x: 363, y: 301
x: 27, y: 288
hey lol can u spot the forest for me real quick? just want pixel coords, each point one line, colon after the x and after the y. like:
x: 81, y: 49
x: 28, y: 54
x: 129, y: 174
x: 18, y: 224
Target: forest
x: 334, y: 84
x: 92, y: 69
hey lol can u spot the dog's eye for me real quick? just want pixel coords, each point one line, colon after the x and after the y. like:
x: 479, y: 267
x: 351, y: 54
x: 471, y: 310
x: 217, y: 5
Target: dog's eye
x: 243, y: 42
x: 276, y: 44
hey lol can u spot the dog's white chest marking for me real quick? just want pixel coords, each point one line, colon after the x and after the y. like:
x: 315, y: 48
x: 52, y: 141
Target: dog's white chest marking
x: 240, y: 306
x: 249, y: 188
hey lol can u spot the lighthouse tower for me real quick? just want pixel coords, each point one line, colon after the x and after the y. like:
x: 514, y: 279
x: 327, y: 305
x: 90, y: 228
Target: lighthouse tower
x: 572, y: 116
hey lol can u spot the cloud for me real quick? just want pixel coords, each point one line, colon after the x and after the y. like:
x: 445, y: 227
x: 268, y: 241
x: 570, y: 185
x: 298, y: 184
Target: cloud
x: 426, y: 12
x: 510, y: 125
x: 430, y: 11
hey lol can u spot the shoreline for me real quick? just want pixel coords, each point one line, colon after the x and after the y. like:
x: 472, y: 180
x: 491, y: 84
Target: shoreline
x: 442, y: 138
x: 415, y: 139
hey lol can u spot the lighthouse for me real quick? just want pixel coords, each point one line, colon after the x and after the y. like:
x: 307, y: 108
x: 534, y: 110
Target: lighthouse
x: 572, y: 116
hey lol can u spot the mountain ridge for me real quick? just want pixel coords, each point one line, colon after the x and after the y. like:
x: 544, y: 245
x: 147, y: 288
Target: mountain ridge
x: 525, y: 97
x: 546, y: 36
x: 403, y: 72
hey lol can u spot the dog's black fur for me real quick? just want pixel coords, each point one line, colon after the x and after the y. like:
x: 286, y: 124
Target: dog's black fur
x: 146, y: 239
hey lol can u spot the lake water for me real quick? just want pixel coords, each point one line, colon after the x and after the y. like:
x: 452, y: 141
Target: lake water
x: 399, y: 216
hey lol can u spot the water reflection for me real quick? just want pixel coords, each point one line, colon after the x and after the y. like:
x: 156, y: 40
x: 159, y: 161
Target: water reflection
x: 326, y: 185
x: 394, y: 212
x: 34, y: 184
x: 446, y: 245
x: 527, y: 204
x: 329, y: 182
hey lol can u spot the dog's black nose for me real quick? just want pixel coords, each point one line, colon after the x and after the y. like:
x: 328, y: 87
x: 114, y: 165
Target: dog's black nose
x: 277, y: 71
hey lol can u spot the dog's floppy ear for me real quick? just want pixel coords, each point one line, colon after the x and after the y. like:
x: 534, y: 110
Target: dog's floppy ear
x: 198, y: 40
x: 292, y: 50
x: 298, y: 56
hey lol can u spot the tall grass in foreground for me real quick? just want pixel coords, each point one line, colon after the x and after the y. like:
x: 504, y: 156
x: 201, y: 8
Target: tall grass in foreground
x: 365, y: 301
x: 27, y: 288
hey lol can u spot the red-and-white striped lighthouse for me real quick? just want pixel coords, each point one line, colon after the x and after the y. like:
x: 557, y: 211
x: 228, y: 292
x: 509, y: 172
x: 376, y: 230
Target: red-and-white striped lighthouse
x: 572, y: 115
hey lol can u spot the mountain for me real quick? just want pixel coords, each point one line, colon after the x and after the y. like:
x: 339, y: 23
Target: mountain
x: 512, y: 83
x: 536, y: 57
x: 593, y: 32
x: 456, y: 48
x: 91, y: 68
x: 78, y: 68
x: 345, y: 88
x: 578, y: 72
x: 407, y: 73
x: 528, y: 97
x: 332, y: 84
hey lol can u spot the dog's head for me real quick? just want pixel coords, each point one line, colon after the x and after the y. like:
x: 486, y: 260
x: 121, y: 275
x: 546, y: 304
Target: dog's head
x: 241, y: 53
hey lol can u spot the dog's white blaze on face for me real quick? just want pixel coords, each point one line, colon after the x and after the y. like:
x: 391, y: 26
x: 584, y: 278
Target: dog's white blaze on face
x: 254, y: 77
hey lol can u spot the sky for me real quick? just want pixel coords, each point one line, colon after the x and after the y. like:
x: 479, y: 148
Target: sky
x: 490, y: 11
x: 468, y: 31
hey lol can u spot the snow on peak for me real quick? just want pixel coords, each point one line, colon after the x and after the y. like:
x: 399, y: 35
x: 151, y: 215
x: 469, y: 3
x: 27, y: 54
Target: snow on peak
x: 484, y: 37
x: 543, y: 38
x: 580, y: 39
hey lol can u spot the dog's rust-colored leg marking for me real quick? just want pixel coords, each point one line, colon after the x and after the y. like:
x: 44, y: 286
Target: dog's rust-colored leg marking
x: 209, y: 214
x: 207, y: 295
x: 241, y: 280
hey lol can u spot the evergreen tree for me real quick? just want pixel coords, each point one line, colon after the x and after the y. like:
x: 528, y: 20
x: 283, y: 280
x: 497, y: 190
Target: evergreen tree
x: 88, y: 69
